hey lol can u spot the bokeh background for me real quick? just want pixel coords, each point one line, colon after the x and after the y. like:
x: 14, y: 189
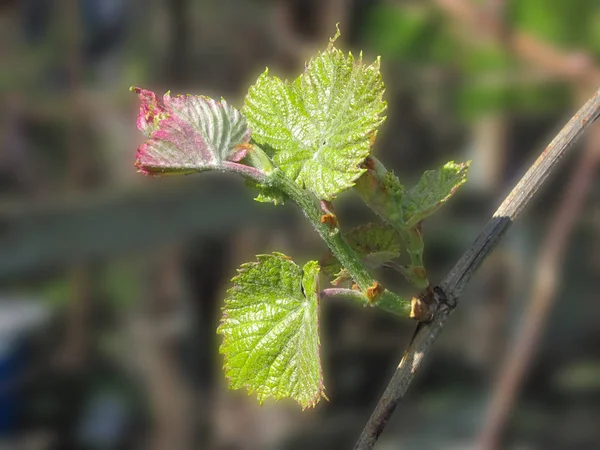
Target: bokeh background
x: 111, y: 283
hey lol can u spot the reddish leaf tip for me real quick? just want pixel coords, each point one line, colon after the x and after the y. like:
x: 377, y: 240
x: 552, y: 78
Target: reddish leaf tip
x: 151, y: 112
x: 241, y: 151
x: 138, y: 164
x: 188, y: 133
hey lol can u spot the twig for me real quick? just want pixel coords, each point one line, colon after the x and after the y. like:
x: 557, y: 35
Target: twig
x: 461, y: 273
x: 546, y: 281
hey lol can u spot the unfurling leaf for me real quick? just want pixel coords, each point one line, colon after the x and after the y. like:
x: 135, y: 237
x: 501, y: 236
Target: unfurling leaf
x: 433, y: 189
x: 375, y: 244
x: 373, y: 239
x: 189, y: 134
x: 268, y: 194
x: 319, y: 128
x: 270, y: 330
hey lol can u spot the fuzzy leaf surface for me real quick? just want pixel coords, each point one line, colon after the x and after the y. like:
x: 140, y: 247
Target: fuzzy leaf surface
x: 270, y: 330
x: 320, y: 127
x: 433, y: 189
x: 188, y: 134
x: 268, y: 194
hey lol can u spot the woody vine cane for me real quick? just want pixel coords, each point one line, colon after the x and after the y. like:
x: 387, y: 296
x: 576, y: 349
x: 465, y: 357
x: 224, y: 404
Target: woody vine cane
x: 460, y: 275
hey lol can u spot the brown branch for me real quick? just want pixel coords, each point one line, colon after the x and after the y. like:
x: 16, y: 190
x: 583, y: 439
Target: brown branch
x: 461, y: 273
x: 547, y: 278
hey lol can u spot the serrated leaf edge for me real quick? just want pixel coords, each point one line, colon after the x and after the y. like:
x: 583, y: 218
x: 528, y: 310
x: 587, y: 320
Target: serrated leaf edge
x: 249, y: 388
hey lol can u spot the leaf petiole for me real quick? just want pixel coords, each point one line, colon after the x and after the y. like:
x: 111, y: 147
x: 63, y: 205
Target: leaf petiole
x: 330, y: 233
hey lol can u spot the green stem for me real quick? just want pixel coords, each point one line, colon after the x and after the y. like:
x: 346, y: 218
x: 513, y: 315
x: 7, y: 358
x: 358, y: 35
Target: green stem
x: 348, y: 294
x: 348, y: 258
x: 414, y: 245
x: 325, y: 223
x: 416, y: 273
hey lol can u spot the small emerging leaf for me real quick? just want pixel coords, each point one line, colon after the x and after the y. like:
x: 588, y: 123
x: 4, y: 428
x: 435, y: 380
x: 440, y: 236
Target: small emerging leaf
x: 151, y: 112
x: 375, y: 243
x: 393, y: 187
x: 433, y: 189
x: 268, y: 194
x: 189, y: 134
x: 374, y: 238
x: 270, y: 330
x: 319, y: 127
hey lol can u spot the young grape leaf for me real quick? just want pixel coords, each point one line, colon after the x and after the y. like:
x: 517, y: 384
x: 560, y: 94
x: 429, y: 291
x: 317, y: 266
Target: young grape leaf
x: 433, y: 189
x: 320, y: 127
x: 270, y: 330
x: 383, y: 193
x: 374, y: 238
x: 268, y: 194
x: 189, y: 134
x: 375, y: 243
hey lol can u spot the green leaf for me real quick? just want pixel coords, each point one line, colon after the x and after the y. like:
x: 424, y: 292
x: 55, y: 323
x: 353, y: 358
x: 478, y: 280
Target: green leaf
x: 433, y: 189
x: 319, y: 128
x: 373, y: 239
x: 375, y: 243
x: 268, y: 194
x: 190, y: 133
x: 270, y: 330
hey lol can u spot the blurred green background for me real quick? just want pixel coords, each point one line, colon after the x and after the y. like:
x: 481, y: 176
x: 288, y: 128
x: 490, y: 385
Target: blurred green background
x: 111, y: 283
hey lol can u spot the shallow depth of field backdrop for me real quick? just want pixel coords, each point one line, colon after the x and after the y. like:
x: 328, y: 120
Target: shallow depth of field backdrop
x: 111, y: 283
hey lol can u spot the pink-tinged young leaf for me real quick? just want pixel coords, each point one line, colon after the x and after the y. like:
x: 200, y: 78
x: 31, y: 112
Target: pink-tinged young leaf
x: 151, y: 113
x: 191, y: 134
